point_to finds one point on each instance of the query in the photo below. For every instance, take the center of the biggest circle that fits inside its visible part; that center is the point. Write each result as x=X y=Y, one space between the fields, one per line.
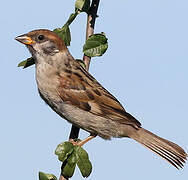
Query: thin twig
x=92 y=14
x=90 y=27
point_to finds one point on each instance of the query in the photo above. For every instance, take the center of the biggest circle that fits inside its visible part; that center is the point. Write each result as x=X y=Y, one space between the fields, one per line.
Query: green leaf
x=64 y=33
x=81 y=62
x=44 y=176
x=96 y=45
x=83 y=161
x=64 y=150
x=82 y=5
x=26 y=63
x=69 y=165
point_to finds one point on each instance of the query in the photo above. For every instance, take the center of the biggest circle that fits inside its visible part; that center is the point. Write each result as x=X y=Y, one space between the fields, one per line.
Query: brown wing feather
x=80 y=89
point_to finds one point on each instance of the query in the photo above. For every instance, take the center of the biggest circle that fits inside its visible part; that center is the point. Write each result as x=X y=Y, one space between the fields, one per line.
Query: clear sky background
x=145 y=67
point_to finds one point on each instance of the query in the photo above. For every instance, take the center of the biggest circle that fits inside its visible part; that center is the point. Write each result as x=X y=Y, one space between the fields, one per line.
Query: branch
x=90 y=27
x=92 y=15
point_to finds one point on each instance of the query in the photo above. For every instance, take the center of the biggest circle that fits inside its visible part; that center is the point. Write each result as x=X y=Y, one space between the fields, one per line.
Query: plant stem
x=90 y=27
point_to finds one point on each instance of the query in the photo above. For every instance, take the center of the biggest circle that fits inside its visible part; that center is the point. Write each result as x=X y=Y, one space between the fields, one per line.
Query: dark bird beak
x=25 y=39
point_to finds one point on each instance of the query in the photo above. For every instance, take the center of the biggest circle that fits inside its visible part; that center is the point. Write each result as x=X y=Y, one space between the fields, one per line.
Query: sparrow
x=75 y=95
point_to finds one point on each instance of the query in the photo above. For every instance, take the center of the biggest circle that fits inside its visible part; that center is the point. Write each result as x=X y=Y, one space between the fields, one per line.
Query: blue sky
x=145 y=67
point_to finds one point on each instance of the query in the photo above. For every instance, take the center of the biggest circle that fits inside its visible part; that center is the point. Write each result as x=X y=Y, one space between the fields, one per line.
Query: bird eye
x=41 y=37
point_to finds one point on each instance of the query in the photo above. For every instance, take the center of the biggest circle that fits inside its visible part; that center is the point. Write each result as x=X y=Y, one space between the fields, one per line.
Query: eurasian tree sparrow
x=76 y=96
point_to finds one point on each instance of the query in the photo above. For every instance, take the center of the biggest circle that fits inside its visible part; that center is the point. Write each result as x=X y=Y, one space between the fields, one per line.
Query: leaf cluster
x=71 y=156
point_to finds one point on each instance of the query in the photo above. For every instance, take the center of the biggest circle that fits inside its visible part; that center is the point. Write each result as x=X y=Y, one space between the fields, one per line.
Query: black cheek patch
x=49 y=47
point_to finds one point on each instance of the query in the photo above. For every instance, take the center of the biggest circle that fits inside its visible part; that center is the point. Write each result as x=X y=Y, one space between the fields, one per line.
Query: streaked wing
x=80 y=89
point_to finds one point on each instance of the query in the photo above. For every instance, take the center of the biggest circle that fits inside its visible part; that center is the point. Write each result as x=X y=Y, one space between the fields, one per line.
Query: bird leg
x=81 y=143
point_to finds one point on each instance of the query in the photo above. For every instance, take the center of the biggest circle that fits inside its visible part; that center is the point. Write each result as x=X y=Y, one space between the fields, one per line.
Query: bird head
x=42 y=42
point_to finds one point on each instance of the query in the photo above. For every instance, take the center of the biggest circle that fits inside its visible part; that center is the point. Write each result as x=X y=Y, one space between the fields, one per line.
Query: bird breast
x=47 y=81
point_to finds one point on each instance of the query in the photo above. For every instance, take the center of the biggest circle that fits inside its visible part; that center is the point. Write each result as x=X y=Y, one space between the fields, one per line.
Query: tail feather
x=169 y=151
x=171 y=158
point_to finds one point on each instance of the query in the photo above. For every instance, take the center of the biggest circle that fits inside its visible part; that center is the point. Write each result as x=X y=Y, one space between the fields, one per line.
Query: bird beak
x=25 y=39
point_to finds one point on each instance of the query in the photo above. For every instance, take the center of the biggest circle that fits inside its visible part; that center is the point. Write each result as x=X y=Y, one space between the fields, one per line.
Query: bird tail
x=169 y=151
